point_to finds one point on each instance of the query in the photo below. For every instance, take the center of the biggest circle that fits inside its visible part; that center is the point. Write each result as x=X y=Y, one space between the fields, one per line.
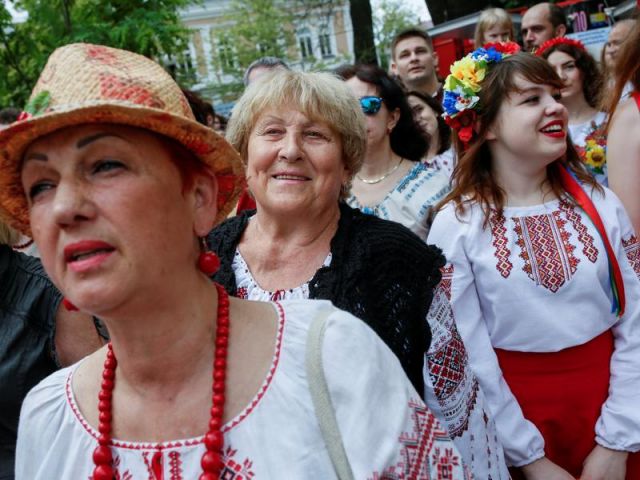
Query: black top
x=380 y=272
x=28 y=304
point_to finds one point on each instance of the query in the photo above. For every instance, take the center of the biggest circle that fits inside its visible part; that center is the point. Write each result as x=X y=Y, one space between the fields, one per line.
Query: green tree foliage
x=392 y=16
x=149 y=27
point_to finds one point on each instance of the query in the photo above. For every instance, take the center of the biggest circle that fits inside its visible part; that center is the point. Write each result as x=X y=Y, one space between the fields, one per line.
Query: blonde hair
x=320 y=96
x=489 y=18
x=8 y=236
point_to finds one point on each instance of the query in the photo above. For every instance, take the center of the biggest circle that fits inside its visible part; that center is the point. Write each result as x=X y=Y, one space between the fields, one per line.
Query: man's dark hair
x=264 y=62
x=9 y=115
x=408 y=33
x=556 y=15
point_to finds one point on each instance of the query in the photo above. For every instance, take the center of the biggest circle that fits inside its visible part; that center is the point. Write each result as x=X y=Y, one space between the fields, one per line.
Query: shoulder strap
x=322 y=400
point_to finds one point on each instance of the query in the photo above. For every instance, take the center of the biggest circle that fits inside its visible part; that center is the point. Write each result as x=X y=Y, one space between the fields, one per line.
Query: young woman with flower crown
x=581 y=94
x=538 y=254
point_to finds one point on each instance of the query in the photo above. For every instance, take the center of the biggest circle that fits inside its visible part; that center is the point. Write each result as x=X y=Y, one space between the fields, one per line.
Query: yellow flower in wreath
x=467 y=72
x=595 y=155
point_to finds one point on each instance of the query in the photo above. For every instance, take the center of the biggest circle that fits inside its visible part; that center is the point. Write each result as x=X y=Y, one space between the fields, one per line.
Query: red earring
x=208 y=262
x=69 y=306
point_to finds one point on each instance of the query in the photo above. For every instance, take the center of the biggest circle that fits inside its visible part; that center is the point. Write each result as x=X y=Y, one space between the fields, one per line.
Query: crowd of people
x=365 y=274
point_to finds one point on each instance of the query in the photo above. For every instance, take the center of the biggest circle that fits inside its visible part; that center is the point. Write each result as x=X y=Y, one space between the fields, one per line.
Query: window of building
x=324 y=40
x=305 y=42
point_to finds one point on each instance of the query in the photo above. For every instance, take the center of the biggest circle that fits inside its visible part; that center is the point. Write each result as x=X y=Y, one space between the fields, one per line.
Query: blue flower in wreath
x=449 y=102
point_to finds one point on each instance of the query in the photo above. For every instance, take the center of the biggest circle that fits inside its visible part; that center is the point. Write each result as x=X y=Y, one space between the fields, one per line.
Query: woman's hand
x=605 y=464
x=545 y=469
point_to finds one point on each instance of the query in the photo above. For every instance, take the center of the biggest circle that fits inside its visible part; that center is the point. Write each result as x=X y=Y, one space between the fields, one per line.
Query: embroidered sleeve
x=618 y=427
x=394 y=434
x=521 y=440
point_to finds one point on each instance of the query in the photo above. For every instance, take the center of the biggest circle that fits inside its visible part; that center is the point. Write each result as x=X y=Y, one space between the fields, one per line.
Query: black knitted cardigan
x=380 y=272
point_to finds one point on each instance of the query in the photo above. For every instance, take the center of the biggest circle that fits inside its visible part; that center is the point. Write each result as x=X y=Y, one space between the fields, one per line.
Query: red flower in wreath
x=506 y=48
x=463 y=124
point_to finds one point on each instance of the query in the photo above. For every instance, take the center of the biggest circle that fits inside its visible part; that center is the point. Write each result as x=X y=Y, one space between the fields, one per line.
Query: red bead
x=104 y=396
x=223 y=332
x=104 y=428
x=107 y=384
x=208 y=263
x=219 y=375
x=212 y=462
x=219 y=363
x=110 y=363
x=222 y=341
x=214 y=440
x=218 y=388
x=104 y=417
x=104 y=405
x=69 y=306
x=108 y=373
x=221 y=353
x=209 y=476
x=102 y=455
x=215 y=424
x=218 y=399
x=216 y=412
x=103 y=472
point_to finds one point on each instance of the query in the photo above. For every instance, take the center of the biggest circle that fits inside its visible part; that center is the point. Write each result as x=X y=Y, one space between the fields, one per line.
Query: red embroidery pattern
x=175 y=465
x=445 y=461
x=154 y=465
x=236 y=470
x=502 y=252
x=242 y=293
x=415 y=461
x=116 y=88
x=447 y=277
x=588 y=247
x=544 y=246
x=632 y=249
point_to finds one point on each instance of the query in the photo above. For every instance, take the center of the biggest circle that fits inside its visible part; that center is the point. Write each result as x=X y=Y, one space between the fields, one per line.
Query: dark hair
x=9 y=115
x=473 y=179
x=200 y=108
x=627 y=66
x=444 y=131
x=264 y=62
x=592 y=80
x=556 y=15
x=408 y=33
x=406 y=138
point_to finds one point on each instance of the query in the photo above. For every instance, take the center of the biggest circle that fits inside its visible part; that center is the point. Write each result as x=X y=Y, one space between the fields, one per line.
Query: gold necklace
x=378 y=180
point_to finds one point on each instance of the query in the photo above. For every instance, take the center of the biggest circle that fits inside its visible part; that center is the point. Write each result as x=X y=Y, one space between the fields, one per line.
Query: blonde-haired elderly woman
x=118 y=184
x=302 y=137
x=37 y=336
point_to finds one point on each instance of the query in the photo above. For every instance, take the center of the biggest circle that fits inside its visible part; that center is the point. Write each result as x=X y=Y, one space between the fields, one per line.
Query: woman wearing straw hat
x=117 y=184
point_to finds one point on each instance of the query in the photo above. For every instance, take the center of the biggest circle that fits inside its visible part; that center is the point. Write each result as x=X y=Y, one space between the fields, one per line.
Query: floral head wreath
x=463 y=84
x=559 y=41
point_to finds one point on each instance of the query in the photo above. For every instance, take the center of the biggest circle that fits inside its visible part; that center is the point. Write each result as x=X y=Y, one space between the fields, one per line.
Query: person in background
x=494 y=25
x=202 y=110
x=619 y=33
x=7 y=116
x=414 y=62
x=392 y=182
x=302 y=136
x=120 y=191
x=428 y=114
x=260 y=67
x=542 y=22
x=543 y=275
x=581 y=94
x=623 y=147
x=37 y=336
x=220 y=123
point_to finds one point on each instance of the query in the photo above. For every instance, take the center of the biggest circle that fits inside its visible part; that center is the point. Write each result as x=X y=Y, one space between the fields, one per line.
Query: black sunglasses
x=370 y=104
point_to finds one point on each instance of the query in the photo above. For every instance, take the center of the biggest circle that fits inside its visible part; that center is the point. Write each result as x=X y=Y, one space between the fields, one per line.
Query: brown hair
x=409 y=33
x=473 y=178
x=591 y=76
x=627 y=67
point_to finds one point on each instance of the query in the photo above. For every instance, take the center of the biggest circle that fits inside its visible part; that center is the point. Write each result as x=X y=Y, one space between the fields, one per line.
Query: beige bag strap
x=321 y=399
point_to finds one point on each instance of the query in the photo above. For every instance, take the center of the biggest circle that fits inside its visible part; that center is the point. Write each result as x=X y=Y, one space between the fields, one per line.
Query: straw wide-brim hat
x=84 y=84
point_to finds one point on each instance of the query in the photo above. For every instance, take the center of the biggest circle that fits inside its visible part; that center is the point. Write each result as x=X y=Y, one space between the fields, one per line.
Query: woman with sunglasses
x=392 y=182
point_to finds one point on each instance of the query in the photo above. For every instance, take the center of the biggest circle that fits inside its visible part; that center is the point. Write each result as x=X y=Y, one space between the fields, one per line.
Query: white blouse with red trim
x=537 y=280
x=387 y=431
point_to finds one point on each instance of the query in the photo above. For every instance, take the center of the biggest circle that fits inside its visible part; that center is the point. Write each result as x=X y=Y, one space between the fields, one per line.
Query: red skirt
x=562 y=393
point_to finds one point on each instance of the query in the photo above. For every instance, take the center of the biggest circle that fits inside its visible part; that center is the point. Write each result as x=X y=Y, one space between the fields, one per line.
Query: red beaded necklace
x=212 y=460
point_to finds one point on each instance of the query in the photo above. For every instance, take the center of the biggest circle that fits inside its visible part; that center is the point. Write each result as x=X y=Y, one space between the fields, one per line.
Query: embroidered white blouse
x=387 y=431
x=412 y=199
x=451 y=392
x=537 y=280
x=444 y=162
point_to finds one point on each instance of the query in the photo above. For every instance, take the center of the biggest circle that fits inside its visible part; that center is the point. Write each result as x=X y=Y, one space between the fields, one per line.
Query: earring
x=69 y=306
x=208 y=262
